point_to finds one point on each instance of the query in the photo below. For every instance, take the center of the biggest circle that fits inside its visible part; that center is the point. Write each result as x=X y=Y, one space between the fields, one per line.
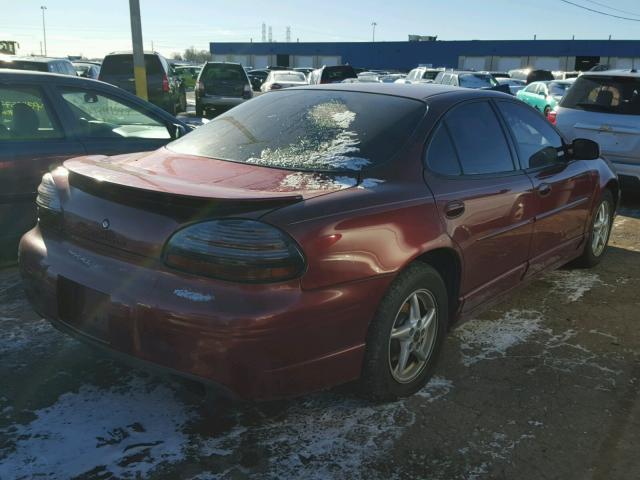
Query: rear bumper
x=259 y=342
x=219 y=101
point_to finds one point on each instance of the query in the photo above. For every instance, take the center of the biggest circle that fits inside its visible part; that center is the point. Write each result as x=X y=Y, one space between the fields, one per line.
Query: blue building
x=474 y=54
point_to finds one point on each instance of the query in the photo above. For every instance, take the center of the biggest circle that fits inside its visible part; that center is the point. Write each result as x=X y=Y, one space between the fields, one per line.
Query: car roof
x=421 y=91
x=632 y=73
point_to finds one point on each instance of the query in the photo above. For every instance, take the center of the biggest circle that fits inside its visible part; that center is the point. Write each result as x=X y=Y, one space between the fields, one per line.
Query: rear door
x=110 y=125
x=563 y=188
x=32 y=142
x=485 y=201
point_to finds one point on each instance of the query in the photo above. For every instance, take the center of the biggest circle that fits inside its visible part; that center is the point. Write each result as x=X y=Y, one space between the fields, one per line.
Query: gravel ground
x=545 y=386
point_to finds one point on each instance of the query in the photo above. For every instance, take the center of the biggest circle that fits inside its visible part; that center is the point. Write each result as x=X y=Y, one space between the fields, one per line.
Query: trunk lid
x=136 y=202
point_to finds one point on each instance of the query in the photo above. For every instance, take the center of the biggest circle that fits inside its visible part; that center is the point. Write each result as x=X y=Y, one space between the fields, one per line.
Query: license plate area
x=84 y=308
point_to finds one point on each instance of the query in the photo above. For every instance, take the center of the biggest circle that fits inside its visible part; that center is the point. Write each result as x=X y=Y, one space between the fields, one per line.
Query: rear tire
x=412 y=317
x=599 y=232
x=199 y=111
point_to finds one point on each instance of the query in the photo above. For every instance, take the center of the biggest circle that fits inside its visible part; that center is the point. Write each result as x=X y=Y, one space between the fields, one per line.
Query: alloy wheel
x=413 y=336
x=601 y=226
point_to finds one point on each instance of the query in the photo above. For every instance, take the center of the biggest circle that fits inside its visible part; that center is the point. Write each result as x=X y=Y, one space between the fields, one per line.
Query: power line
x=601 y=12
x=613 y=8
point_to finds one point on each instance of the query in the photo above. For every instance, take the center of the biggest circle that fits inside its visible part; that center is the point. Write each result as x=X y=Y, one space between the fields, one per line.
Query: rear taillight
x=235 y=250
x=165 y=83
x=247 y=92
x=200 y=88
x=552 y=116
x=276 y=86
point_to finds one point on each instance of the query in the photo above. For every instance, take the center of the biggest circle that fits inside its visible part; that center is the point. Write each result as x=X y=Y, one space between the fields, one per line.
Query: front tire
x=599 y=232
x=406 y=335
x=546 y=111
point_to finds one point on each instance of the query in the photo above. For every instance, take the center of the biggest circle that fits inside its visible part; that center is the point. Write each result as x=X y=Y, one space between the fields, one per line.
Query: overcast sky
x=93 y=27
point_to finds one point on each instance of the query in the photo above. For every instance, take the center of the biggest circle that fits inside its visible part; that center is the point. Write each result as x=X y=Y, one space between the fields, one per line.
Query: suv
x=164 y=88
x=332 y=74
x=422 y=75
x=221 y=86
x=39 y=64
x=605 y=107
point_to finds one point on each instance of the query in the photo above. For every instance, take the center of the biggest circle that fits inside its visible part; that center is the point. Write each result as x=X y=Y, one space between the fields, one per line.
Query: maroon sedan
x=315 y=236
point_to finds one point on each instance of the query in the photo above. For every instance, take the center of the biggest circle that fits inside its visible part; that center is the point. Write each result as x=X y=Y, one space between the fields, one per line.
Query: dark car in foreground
x=315 y=235
x=46 y=119
x=221 y=86
x=164 y=87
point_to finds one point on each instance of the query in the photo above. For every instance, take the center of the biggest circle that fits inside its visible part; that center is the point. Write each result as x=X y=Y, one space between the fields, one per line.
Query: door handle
x=454 y=209
x=544 y=189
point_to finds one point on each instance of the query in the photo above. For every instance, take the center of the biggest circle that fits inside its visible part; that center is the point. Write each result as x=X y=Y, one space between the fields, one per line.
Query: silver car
x=605 y=107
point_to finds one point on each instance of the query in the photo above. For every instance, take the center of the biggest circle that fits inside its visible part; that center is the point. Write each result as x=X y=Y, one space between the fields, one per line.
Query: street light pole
x=139 y=69
x=373 y=24
x=44 y=30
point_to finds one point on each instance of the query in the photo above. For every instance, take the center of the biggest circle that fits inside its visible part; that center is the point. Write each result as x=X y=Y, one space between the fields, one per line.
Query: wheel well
x=447 y=264
x=615 y=189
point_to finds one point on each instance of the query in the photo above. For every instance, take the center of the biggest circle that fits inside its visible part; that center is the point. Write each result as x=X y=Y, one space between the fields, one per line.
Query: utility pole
x=270 y=34
x=139 y=69
x=374 y=24
x=264 y=32
x=288 y=34
x=44 y=30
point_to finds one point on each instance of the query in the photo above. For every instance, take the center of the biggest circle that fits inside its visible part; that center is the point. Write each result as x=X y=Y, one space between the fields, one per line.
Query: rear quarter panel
x=362 y=232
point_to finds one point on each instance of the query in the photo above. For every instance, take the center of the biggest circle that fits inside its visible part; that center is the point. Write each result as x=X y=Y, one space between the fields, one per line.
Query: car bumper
x=259 y=342
x=220 y=101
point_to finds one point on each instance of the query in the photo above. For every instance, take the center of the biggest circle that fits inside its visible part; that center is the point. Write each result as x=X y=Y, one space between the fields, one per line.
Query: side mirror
x=176 y=131
x=585 y=149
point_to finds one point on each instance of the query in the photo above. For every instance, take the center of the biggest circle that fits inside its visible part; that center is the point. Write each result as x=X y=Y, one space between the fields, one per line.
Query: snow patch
x=370 y=183
x=126 y=431
x=488 y=339
x=573 y=283
x=315 y=181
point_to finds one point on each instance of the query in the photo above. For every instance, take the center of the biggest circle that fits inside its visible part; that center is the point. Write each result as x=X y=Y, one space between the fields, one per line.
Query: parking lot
x=546 y=385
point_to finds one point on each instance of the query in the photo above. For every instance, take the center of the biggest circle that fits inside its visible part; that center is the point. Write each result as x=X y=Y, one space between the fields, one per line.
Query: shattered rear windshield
x=314 y=130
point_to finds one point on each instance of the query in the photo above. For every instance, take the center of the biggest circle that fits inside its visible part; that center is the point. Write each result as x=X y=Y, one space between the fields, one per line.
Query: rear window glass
x=308 y=130
x=558 y=89
x=604 y=94
x=222 y=72
x=20 y=65
x=289 y=77
x=334 y=74
x=123 y=65
x=430 y=75
x=476 y=80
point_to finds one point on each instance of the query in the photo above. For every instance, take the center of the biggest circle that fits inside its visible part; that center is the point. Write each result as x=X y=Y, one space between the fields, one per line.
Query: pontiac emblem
x=105 y=224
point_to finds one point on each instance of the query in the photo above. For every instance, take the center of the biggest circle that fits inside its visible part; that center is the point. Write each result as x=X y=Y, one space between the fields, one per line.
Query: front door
x=486 y=203
x=563 y=188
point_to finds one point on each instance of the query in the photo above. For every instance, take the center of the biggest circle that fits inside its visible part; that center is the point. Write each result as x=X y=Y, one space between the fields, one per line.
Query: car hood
x=166 y=172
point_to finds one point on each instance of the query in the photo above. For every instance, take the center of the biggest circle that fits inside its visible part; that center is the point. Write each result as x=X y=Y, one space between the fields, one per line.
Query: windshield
x=430 y=74
x=289 y=77
x=316 y=130
x=21 y=65
x=476 y=80
x=604 y=93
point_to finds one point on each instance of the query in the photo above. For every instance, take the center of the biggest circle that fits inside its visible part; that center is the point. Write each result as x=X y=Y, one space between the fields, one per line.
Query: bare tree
x=196 y=56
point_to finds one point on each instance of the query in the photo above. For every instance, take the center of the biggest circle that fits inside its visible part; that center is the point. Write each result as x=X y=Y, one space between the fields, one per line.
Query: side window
x=100 y=116
x=454 y=80
x=24 y=116
x=441 y=155
x=537 y=142
x=478 y=139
